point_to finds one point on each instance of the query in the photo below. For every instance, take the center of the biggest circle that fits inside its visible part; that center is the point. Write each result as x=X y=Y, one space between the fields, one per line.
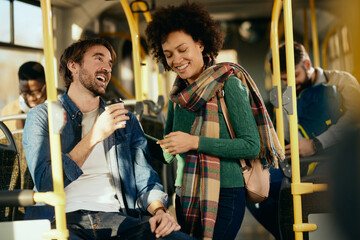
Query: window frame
x=12 y=43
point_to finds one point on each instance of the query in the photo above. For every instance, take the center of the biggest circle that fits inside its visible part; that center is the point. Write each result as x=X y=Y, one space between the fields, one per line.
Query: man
x=307 y=76
x=315 y=89
x=32 y=93
x=109 y=183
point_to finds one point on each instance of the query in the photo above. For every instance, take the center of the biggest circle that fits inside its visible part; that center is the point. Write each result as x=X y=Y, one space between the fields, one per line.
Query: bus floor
x=251 y=229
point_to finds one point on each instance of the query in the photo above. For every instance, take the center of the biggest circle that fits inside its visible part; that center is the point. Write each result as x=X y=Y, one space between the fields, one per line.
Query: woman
x=210 y=201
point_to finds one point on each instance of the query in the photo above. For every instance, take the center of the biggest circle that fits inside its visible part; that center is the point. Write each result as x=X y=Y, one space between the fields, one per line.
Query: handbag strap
x=221 y=94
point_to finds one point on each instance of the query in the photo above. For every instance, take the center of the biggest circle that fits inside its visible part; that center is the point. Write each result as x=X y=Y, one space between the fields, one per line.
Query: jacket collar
x=72 y=109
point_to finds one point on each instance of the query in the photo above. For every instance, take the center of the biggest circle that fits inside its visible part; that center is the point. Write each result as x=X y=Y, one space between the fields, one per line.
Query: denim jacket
x=136 y=183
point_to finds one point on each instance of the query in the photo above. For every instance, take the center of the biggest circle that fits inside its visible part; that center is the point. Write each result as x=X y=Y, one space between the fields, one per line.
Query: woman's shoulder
x=234 y=84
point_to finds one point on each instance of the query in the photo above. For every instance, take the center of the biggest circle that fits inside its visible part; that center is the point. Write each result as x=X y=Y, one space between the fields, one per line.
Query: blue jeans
x=85 y=225
x=231 y=210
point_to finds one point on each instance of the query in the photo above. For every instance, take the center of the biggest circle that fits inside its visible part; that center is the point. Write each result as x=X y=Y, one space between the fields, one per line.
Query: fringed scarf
x=201 y=182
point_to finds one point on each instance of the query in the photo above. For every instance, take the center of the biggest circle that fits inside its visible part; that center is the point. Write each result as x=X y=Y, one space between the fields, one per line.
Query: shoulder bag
x=256 y=177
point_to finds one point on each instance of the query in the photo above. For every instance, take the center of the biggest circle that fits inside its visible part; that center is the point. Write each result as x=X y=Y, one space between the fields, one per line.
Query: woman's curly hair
x=190 y=18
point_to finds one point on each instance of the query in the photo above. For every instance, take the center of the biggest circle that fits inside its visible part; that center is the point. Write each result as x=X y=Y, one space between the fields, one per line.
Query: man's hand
x=306 y=148
x=103 y=127
x=179 y=142
x=109 y=121
x=162 y=224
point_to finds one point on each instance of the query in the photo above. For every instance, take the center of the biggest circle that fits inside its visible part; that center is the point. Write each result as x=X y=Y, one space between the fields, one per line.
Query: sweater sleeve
x=169 y=128
x=247 y=141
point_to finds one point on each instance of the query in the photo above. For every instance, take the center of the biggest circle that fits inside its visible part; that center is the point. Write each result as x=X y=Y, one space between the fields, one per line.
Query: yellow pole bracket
x=305 y=188
x=51 y=198
x=304 y=227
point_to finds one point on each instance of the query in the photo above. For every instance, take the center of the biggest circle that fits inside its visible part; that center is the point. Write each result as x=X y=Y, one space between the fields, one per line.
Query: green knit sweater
x=246 y=145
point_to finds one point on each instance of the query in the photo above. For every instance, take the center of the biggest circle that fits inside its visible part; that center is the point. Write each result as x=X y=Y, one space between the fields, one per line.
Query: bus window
x=28 y=30
x=5 y=21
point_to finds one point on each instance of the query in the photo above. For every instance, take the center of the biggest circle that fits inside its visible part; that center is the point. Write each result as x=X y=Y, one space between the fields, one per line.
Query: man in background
x=327 y=106
x=307 y=76
x=32 y=93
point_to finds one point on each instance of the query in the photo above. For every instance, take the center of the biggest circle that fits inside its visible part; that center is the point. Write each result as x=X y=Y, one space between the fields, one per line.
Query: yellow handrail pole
x=135 y=40
x=136 y=16
x=297 y=188
x=325 y=45
x=306 y=30
x=143 y=66
x=290 y=66
x=148 y=19
x=274 y=42
x=314 y=34
x=55 y=146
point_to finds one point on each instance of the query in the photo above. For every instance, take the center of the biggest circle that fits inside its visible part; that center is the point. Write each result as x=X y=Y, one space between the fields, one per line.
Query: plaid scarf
x=201 y=182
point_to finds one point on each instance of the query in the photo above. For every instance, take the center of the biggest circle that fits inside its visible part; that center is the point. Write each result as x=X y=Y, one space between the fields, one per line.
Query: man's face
x=33 y=92
x=302 y=78
x=94 y=73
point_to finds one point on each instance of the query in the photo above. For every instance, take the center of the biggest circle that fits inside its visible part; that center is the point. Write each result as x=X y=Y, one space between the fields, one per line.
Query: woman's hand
x=179 y=142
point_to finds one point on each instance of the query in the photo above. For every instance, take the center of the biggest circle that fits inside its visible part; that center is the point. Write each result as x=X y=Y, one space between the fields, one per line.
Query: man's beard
x=304 y=85
x=89 y=82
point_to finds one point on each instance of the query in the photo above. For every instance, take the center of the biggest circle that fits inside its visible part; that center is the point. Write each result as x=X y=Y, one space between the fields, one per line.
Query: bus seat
x=312 y=204
x=14 y=170
x=29 y=229
x=9 y=168
x=26 y=181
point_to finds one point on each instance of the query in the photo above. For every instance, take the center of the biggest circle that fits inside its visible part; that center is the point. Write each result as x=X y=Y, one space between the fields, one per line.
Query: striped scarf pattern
x=201 y=182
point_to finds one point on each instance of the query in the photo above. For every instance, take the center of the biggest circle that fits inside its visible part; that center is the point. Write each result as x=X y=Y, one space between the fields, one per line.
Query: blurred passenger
x=32 y=93
x=210 y=195
x=111 y=189
x=306 y=76
x=327 y=105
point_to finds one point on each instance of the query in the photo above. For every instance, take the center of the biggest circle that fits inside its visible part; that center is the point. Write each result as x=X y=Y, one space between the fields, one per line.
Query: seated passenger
x=111 y=189
x=307 y=76
x=32 y=93
x=343 y=112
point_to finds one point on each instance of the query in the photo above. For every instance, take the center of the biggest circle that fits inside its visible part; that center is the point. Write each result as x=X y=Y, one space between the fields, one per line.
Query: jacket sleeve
x=247 y=141
x=147 y=180
x=349 y=89
x=37 y=151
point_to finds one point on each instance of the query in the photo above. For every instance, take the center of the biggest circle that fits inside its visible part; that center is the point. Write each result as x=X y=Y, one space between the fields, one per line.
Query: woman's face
x=184 y=55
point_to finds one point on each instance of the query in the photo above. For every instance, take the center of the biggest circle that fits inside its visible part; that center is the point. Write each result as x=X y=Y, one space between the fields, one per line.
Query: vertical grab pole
x=143 y=64
x=274 y=42
x=148 y=19
x=135 y=40
x=306 y=30
x=295 y=163
x=55 y=146
x=314 y=34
